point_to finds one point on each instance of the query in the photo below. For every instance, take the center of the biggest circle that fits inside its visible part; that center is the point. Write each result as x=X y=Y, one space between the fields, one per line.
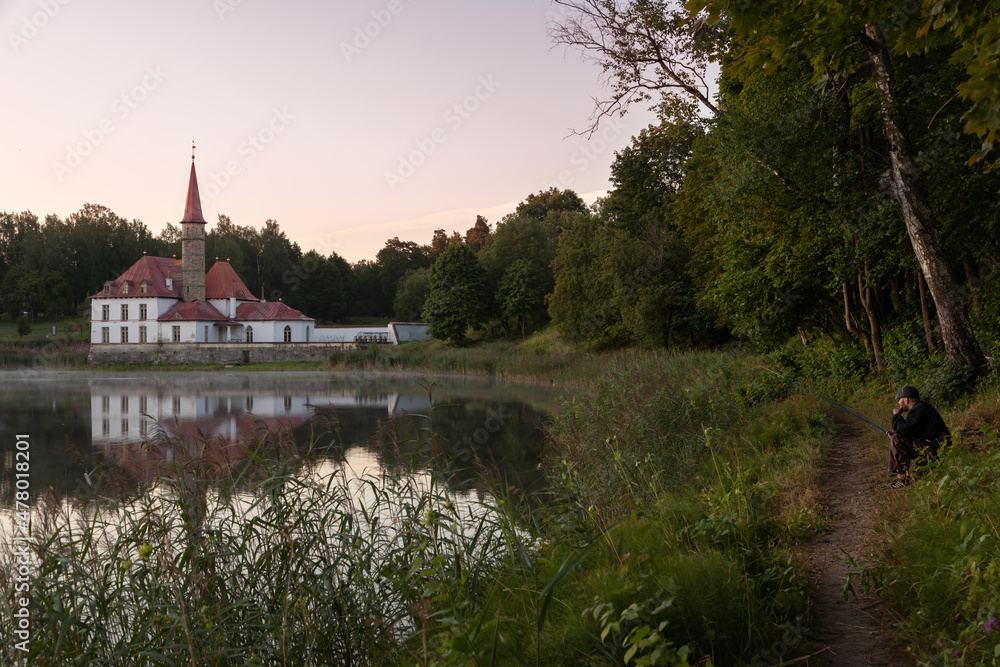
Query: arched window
x=288 y=334
x=249 y=334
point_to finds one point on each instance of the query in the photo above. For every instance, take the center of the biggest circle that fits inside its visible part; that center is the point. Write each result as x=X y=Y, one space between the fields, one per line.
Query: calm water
x=132 y=423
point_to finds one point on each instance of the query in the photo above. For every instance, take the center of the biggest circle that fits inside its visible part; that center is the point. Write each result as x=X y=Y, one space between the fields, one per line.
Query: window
x=106 y=427
x=105 y=404
x=143 y=287
x=249 y=334
x=124 y=403
x=142 y=334
x=142 y=404
x=177 y=333
x=124 y=288
x=105 y=312
x=288 y=334
x=142 y=427
x=206 y=334
x=107 y=288
x=177 y=405
x=124 y=334
x=124 y=427
x=288 y=403
x=105 y=335
x=124 y=311
x=249 y=403
x=142 y=311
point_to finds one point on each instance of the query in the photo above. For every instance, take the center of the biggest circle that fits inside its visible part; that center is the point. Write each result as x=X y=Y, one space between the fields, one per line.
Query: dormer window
x=242 y=295
x=107 y=288
x=177 y=316
x=124 y=288
x=143 y=287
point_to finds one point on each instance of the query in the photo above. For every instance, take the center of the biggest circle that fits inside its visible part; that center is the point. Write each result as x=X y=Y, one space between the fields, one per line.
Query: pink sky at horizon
x=446 y=111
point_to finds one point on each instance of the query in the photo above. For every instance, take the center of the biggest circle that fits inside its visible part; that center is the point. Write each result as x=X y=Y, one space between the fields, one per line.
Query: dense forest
x=838 y=188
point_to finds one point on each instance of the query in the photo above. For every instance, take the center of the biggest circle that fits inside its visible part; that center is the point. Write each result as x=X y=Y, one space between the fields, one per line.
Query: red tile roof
x=198 y=311
x=270 y=310
x=221 y=282
x=152 y=270
x=192 y=208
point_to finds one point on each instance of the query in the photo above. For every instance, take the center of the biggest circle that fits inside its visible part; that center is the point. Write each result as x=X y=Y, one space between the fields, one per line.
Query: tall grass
x=540 y=358
x=668 y=535
x=308 y=566
x=47 y=355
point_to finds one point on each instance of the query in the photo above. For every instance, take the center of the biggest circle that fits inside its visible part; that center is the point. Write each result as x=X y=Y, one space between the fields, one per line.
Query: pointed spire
x=192 y=209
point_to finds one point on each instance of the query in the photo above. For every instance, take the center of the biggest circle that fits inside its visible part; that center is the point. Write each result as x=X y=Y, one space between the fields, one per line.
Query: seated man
x=918 y=433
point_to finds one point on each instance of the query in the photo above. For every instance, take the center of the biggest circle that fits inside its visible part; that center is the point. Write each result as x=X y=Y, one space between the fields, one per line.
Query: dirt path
x=859 y=631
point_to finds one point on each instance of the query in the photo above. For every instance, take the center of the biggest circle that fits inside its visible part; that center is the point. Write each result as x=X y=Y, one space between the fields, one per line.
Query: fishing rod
x=825 y=399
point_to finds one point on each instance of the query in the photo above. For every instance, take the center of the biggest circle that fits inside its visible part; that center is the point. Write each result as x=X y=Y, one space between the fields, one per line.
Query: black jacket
x=923 y=425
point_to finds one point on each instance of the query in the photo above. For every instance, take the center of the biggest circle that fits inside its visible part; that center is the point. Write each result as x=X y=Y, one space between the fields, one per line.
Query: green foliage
x=23 y=326
x=520 y=293
x=458 y=298
x=940 y=564
x=414 y=287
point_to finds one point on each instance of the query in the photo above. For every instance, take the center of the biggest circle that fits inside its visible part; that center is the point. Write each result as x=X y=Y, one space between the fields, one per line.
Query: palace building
x=161 y=300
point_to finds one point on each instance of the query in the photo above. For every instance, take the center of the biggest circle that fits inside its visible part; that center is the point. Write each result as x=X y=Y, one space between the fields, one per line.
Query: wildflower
x=990 y=625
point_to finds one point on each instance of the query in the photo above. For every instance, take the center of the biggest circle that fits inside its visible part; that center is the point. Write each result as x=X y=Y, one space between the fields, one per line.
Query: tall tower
x=193 y=242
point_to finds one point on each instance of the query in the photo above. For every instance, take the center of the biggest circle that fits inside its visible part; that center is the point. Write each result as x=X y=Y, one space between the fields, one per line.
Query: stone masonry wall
x=193 y=260
x=212 y=353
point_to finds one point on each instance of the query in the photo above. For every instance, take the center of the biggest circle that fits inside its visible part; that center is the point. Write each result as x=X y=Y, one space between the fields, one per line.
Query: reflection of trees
x=468 y=445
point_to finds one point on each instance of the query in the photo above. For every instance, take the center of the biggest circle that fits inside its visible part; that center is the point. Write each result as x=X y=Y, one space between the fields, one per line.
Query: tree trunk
x=971 y=276
x=956 y=332
x=925 y=312
x=849 y=320
x=867 y=295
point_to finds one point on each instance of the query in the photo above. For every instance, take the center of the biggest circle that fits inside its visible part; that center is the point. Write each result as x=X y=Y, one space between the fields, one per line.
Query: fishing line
x=825 y=399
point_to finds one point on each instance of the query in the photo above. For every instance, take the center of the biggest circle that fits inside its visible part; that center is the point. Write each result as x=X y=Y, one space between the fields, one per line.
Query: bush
x=23 y=326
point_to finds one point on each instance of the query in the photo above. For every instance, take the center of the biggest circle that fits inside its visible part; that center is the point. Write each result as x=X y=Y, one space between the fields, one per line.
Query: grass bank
x=542 y=358
x=681 y=490
x=935 y=551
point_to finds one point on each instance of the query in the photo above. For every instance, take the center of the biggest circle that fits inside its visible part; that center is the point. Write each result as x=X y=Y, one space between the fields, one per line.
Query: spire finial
x=192 y=151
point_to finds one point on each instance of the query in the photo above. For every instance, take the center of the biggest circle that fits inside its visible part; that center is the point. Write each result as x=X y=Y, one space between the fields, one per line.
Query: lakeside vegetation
x=835 y=210
x=671 y=530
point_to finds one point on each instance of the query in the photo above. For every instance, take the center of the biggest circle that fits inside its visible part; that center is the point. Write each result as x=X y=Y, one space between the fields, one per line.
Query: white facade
x=108 y=318
x=273 y=331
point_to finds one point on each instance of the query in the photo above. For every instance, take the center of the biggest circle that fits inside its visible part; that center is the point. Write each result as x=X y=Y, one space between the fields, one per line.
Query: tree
x=23 y=326
x=458 y=298
x=394 y=260
x=318 y=286
x=520 y=293
x=646 y=49
x=477 y=236
x=411 y=295
x=771 y=34
x=438 y=243
x=539 y=205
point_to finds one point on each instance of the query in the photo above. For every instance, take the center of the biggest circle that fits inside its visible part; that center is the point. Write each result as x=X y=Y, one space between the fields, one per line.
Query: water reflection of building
x=125 y=416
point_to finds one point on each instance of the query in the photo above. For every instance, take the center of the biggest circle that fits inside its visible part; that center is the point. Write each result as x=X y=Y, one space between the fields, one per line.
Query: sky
x=348 y=123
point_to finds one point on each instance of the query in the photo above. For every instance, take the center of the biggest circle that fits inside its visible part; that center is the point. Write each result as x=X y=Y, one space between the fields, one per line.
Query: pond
x=133 y=423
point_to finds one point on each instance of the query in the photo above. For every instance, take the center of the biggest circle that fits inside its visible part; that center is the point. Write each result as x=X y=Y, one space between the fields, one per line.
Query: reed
x=284 y=558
